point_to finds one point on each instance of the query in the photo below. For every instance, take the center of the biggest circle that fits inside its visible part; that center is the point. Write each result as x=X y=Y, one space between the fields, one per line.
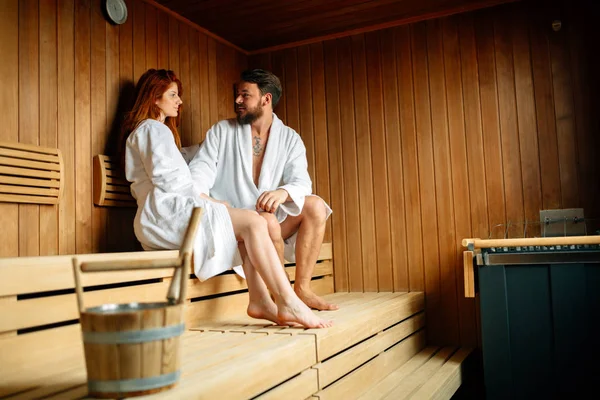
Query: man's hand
x=269 y=201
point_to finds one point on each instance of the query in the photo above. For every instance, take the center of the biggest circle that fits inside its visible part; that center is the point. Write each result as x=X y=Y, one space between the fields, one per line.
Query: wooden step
x=432 y=373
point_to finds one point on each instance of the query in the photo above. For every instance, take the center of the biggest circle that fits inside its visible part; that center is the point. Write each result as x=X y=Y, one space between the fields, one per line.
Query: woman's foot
x=296 y=312
x=263 y=310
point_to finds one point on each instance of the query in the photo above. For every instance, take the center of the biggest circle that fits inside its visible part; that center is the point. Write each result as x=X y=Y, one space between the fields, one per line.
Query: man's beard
x=250 y=116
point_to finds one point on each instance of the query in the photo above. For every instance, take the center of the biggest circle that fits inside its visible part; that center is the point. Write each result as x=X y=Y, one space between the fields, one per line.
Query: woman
x=166 y=193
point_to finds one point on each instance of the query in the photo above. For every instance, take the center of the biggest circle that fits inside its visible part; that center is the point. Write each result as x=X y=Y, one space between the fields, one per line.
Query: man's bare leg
x=250 y=228
x=310 y=225
x=260 y=306
x=274 y=233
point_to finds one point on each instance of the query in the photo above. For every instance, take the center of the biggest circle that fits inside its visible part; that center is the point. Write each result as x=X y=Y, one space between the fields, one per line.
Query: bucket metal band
x=133 y=385
x=141 y=336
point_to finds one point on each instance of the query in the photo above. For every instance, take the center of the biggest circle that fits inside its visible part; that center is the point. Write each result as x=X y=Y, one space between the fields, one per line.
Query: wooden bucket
x=133 y=349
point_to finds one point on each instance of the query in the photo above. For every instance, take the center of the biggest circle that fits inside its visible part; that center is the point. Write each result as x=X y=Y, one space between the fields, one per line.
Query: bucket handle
x=182 y=264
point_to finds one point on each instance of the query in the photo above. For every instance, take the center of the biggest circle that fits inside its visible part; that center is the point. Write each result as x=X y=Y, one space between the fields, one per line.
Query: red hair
x=151 y=87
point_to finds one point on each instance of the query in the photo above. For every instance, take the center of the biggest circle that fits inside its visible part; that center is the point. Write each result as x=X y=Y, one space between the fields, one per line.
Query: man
x=256 y=162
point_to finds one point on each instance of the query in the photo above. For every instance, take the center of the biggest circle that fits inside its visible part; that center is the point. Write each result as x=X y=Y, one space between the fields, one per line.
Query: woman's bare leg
x=260 y=306
x=250 y=228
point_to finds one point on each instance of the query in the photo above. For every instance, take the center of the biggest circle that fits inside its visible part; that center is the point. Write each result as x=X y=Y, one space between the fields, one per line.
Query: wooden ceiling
x=260 y=24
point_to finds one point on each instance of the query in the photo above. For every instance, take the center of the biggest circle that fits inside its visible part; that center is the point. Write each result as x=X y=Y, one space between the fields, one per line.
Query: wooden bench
x=30 y=174
x=40 y=338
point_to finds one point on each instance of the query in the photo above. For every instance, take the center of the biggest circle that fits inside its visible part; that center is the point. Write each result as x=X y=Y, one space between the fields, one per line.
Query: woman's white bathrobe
x=223 y=165
x=166 y=194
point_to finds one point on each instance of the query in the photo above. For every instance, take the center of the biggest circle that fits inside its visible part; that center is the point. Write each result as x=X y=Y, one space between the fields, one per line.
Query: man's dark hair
x=266 y=81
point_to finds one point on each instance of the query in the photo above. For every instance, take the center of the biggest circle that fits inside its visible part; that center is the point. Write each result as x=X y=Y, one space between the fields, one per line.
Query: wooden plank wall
x=67 y=76
x=421 y=135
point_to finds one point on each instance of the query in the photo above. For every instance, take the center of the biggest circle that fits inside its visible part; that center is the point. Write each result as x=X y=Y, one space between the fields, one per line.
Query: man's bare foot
x=314 y=301
x=295 y=311
x=263 y=310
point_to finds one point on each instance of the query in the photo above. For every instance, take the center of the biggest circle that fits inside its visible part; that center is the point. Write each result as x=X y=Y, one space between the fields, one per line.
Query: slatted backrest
x=30 y=174
x=111 y=189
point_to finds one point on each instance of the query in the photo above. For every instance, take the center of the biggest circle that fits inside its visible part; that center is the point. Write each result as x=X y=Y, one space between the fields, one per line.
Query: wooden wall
x=421 y=135
x=67 y=76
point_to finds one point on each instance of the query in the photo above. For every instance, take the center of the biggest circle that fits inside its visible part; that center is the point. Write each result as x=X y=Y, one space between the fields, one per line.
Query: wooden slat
x=409 y=385
x=58 y=272
x=118 y=189
x=16 y=162
x=25 y=147
x=138 y=17
x=356 y=383
x=66 y=125
x=118 y=196
x=163 y=40
x=206 y=121
x=395 y=174
x=9 y=102
x=475 y=160
x=151 y=37
x=196 y=106
x=368 y=235
x=463 y=317
x=306 y=111
x=29 y=116
x=117 y=181
x=292 y=355
x=14 y=198
x=212 y=79
x=446 y=381
x=426 y=162
x=28 y=190
x=562 y=85
x=116 y=203
x=48 y=112
x=30 y=358
x=381 y=201
x=334 y=136
x=183 y=72
x=446 y=319
x=490 y=120
x=321 y=137
x=383 y=387
x=59 y=384
x=389 y=312
x=350 y=167
x=410 y=159
x=341 y=364
x=298 y=388
x=27 y=155
x=507 y=107
x=83 y=151
x=544 y=112
x=526 y=118
x=26 y=313
x=29 y=172
x=98 y=115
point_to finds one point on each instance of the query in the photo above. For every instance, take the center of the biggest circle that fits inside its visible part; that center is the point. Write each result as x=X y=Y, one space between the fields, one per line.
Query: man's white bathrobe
x=224 y=164
x=166 y=194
